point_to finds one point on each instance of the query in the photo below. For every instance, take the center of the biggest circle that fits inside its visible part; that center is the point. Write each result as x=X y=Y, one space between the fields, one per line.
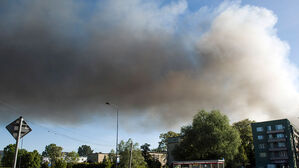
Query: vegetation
x=163 y=143
x=25 y=159
x=72 y=157
x=124 y=152
x=209 y=137
x=59 y=163
x=246 y=150
x=31 y=160
x=84 y=150
x=151 y=162
x=53 y=152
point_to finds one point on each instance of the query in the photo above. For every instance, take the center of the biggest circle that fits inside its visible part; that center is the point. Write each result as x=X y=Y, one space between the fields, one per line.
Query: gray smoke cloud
x=61 y=61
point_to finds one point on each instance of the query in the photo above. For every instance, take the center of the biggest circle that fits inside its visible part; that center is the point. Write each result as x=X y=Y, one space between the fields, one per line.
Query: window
x=262 y=146
x=280 y=135
x=271 y=145
x=283 y=153
x=263 y=154
x=272 y=154
x=271 y=166
x=281 y=144
x=270 y=136
x=279 y=127
x=259 y=129
x=260 y=137
x=269 y=128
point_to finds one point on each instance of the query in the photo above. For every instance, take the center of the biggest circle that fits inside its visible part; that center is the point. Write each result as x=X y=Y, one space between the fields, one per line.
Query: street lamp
x=116 y=146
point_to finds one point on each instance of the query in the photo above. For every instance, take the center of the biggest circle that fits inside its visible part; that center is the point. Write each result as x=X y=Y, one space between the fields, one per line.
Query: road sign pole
x=17 y=142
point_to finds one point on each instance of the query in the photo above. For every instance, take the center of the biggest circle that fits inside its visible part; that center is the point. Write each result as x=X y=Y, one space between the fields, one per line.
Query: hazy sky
x=159 y=61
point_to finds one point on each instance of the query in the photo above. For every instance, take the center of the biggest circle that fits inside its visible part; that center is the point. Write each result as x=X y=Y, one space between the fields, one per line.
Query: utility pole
x=130 y=162
x=116 y=146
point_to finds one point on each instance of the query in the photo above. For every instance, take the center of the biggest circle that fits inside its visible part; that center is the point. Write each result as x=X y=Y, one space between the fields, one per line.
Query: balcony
x=275 y=131
x=277 y=140
x=279 y=161
x=279 y=158
x=278 y=149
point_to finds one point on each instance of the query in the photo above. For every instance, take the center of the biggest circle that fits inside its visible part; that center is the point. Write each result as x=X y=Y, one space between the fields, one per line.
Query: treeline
x=209 y=136
x=58 y=159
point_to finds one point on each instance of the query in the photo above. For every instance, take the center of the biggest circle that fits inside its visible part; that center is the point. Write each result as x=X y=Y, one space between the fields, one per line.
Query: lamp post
x=116 y=146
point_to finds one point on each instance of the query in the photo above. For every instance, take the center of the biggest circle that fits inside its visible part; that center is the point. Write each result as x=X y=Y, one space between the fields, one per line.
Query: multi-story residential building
x=275 y=144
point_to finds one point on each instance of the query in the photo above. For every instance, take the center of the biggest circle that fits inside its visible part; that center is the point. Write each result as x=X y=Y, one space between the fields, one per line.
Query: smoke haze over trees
x=61 y=60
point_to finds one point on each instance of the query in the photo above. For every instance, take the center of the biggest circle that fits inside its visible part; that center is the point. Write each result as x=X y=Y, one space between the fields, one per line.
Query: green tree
x=246 y=150
x=163 y=140
x=112 y=157
x=124 y=152
x=9 y=155
x=151 y=162
x=209 y=137
x=45 y=165
x=53 y=152
x=31 y=160
x=72 y=157
x=107 y=162
x=60 y=163
x=84 y=150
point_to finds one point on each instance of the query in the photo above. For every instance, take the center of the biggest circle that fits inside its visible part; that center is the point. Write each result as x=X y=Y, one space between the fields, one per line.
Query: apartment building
x=275 y=144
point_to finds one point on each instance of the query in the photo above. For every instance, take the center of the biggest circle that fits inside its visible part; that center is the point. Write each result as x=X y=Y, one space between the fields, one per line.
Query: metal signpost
x=18 y=129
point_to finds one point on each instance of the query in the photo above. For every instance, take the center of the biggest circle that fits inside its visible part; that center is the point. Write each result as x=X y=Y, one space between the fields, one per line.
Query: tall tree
x=84 y=150
x=151 y=162
x=72 y=157
x=209 y=137
x=163 y=140
x=9 y=155
x=31 y=160
x=246 y=150
x=124 y=152
x=53 y=152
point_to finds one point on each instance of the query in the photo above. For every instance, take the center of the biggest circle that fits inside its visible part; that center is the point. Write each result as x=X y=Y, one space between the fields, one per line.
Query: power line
x=16 y=111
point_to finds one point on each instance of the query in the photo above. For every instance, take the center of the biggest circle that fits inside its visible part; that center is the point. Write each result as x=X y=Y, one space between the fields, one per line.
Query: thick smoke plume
x=62 y=60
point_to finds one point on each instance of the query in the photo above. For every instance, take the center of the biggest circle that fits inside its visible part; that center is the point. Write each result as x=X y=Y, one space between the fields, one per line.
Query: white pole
x=17 y=143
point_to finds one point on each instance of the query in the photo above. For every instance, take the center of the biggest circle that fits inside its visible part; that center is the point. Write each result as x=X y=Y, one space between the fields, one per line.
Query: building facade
x=97 y=157
x=171 y=144
x=275 y=144
x=161 y=157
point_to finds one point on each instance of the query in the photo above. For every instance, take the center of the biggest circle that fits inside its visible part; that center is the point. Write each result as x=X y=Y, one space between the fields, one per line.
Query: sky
x=159 y=62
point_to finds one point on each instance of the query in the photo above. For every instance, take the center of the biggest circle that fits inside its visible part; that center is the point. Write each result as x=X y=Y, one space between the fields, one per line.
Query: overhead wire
x=49 y=130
